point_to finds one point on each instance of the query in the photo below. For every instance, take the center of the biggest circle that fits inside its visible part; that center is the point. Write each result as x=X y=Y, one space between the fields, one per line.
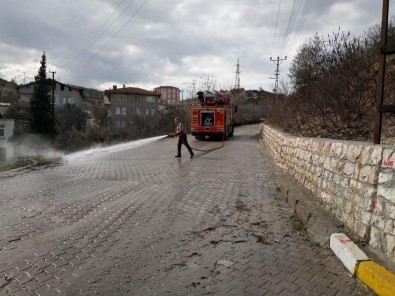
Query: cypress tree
x=40 y=104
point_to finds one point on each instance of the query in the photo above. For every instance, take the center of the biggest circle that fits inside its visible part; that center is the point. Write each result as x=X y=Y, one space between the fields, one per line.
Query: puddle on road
x=100 y=151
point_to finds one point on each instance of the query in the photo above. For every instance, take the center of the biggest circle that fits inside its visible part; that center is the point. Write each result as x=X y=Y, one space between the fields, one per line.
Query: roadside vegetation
x=334 y=85
x=18 y=163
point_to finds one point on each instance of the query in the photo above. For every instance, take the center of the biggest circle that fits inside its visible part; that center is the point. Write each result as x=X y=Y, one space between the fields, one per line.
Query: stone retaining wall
x=354 y=181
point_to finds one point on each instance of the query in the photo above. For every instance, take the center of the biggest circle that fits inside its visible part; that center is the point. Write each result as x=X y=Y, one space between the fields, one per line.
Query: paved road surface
x=141 y=222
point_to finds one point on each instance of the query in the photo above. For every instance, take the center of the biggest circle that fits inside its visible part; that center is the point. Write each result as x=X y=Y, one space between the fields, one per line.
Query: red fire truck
x=213 y=116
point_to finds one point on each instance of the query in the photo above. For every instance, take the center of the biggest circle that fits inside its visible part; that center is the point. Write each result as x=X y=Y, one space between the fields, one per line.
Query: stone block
x=361 y=231
x=340 y=166
x=390 y=245
x=378 y=204
x=389 y=227
x=366 y=173
x=349 y=169
x=292 y=200
x=337 y=150
x=375 y=157
x=314 y=145
x=391 y=211
x=378 y=222
x=386 y=178
x=355 y=185
x=302 y=211
x=308 y=156
x=386 y=192
x=365 y=153
x=388 y=160
x=369 y=192
x=366 y=217
x=375 y=237
x=353 y=152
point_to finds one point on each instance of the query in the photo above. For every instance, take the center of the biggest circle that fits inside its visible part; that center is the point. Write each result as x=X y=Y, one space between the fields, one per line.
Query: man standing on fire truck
x=182 y=137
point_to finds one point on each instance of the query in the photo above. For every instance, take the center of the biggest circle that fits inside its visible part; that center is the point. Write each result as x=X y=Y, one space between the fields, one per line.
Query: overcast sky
x=147 y=43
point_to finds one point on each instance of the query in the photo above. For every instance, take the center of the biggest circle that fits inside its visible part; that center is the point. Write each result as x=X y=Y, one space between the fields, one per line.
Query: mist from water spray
x=31 y=146
x=100 y=151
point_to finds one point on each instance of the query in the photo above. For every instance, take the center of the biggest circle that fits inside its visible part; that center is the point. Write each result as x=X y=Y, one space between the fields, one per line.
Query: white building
x=6 y=131
x=63 y=94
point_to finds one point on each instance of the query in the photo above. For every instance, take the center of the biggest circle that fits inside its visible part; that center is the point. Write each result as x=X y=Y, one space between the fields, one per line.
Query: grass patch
x=18 y=163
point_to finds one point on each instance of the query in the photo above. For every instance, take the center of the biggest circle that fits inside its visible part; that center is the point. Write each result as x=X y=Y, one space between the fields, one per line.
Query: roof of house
x=76 y=87
x=132 y=91
x=167 y=86
x=49 y=83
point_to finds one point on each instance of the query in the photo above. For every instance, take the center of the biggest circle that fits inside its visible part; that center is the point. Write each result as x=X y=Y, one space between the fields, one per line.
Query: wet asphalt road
x=141 y=222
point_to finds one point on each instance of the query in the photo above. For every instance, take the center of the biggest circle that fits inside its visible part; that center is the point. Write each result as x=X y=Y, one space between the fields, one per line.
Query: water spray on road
x=100 y=151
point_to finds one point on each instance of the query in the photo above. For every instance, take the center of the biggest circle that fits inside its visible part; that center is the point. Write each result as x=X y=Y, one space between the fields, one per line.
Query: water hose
x=208 y=150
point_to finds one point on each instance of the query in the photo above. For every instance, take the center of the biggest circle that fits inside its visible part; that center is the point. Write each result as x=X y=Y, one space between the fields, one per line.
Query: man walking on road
x=182 y=137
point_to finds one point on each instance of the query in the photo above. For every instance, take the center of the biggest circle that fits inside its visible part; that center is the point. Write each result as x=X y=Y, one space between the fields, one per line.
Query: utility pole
x=53 y=105
x=182 y=104
x=277 y=61
x=237 y=79
x=193 y=85
x=385 y=49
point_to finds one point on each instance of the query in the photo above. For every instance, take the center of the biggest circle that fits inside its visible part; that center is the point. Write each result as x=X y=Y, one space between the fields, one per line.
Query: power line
x=300 y=25
x=116 y=8
x=275 y=30
x=89 y=42
x=112 y=38
x=291 y=17
x=98 y=34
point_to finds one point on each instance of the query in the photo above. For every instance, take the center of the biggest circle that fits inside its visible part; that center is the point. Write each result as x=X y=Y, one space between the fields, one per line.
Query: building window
x=146 y=112
x=2 y=131
x=138 y=111
x=68 y=100
x=120 y=110
x=61 y=87
x=150 y=100
x=120 y=123
x=152 y=111
x=69 y=88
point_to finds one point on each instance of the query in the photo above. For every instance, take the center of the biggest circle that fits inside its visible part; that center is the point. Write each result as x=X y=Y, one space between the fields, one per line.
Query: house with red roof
x=126 y=102
x=170 y=95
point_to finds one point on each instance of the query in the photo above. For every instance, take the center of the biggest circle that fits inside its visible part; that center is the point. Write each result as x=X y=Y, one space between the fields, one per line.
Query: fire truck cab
x=212 y=116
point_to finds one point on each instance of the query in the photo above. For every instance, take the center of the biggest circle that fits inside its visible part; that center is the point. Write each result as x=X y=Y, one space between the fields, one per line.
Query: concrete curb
x=373 y=275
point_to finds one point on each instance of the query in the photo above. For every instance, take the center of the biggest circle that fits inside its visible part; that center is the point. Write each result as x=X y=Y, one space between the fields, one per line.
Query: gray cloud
x=167 y=42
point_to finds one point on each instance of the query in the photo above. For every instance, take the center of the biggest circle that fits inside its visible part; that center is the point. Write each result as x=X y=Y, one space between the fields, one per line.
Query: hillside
x=252 y=105
x=8 y=92
x=91 y=93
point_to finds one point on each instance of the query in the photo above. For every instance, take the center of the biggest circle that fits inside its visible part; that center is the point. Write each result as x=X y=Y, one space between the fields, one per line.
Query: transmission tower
x=237 y=80
x=277 y=61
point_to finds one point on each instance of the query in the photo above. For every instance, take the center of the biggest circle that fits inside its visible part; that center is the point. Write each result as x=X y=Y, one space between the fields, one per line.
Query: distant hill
x=91 y=93
x=8 y=92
